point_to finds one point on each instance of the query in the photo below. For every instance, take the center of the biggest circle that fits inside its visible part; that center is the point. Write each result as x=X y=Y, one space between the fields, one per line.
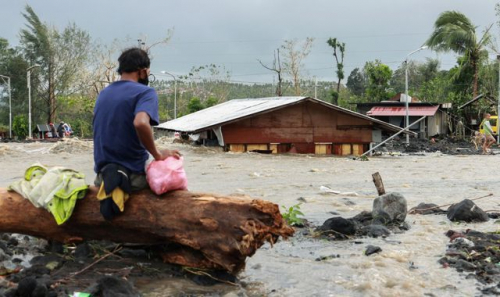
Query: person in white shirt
x=488 y=133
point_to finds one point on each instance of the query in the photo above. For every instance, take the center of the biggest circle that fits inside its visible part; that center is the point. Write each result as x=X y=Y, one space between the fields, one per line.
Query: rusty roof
x=401 y=111
x=238 y=109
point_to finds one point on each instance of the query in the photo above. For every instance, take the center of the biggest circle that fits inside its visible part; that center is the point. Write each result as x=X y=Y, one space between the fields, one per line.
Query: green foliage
x=335 y=44
x=211 y=101
x=81 y=128
x=62 y=56
x=20 y=126
x=195 y=105
x=291 y=215
x=379 y=76
x=454 y=32
x=334 y=95
x=356 y=82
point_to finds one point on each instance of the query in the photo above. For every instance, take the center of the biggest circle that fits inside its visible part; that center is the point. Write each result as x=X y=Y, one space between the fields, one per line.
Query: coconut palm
x=453 y=31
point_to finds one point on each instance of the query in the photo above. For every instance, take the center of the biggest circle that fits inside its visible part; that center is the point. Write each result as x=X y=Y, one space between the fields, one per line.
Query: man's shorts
x=137 y=181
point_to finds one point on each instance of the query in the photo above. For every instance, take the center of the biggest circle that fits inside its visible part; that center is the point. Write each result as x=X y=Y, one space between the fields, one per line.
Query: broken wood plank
x=197 y=230
x=377 y=180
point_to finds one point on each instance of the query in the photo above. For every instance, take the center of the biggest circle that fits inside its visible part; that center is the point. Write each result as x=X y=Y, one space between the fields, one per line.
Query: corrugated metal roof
x=401 y=111
x=237 y=109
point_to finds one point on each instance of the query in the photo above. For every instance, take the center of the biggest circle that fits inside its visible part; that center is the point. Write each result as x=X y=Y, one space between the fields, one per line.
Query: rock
x=461 y=242
x=110 y=286
x=13 y=241
x=375 y=231
x=83 y=251
x=55 y=247
x=464 y=265
x=338 y=225
x=390 y=208
x=44 y=260
x=426 y=209
x=3 y=246
x=372 y=249
x=365 y=218
x=10 y=293
x=40 y=291
x=466 y=211
x=129 y=252
x=3 y=256
x=26 y=287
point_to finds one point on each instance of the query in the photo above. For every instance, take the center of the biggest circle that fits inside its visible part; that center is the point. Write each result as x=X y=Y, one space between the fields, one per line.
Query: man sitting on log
x=123 y=115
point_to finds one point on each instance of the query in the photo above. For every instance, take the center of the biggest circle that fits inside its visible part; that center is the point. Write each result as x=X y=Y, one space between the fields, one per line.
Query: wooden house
x=283 y=124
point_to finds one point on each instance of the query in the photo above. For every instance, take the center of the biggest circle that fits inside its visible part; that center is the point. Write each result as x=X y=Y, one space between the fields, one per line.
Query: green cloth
x=56 y=189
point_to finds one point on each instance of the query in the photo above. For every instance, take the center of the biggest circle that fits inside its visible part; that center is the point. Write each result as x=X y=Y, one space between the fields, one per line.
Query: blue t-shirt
x=115 y=138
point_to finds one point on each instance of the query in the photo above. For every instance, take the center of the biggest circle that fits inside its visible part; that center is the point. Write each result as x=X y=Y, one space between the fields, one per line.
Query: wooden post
x=377 y=180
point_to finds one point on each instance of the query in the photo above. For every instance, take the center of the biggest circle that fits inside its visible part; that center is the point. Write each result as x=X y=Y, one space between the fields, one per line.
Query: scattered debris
x=426 y=209
x=71 y=145
x=476 y=254
x=327 y=190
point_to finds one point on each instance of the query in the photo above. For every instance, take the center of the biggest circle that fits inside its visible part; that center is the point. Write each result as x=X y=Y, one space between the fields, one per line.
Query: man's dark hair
x=133 y=59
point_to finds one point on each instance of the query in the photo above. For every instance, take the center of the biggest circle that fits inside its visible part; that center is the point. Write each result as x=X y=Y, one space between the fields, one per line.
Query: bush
x=20 y=126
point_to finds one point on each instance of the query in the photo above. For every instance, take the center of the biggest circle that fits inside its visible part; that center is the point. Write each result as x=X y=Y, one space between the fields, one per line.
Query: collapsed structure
x=282 y=124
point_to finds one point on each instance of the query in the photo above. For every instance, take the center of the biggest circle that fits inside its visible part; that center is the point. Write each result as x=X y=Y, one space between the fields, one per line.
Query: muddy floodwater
x=408 y=264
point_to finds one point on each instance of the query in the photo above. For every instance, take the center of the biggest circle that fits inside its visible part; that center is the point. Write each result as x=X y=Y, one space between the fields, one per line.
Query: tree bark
x=196 y=230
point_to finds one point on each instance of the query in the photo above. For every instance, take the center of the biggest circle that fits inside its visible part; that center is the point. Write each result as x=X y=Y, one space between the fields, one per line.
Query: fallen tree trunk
x=197 y=230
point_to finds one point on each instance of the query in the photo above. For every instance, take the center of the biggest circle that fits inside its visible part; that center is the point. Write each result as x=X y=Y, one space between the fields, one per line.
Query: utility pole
x=315 y=87
x=28 y=74
x=498 y=107
x=407 y=97
x=175 y=91
x=10 y=104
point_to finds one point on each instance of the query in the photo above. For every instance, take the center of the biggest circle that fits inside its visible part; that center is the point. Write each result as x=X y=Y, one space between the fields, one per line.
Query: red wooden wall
x=302 y=125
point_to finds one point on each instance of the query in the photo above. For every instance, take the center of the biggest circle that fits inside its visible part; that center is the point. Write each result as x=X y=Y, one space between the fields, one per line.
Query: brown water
x=407 y=266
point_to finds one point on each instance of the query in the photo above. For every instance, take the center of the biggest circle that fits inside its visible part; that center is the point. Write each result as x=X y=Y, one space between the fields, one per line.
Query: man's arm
x=145 y=134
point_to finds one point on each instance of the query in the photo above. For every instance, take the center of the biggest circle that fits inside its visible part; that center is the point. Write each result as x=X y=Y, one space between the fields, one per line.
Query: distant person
x=67 y=130
x=53 y=131
x=123 y=115
x=60 y=130
x=488 y=134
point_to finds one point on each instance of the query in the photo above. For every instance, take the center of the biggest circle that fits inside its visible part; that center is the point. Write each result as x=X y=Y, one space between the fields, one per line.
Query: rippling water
x=407 y=265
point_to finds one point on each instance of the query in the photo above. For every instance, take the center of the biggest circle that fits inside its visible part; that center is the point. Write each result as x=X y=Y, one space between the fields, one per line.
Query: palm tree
x=453 y=31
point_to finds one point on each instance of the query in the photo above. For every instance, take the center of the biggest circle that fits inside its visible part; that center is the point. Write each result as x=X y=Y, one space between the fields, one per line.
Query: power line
x=282 y=39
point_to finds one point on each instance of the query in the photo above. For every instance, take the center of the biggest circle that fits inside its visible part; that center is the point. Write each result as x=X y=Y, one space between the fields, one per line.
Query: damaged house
x=393 y=111
x=282 y=124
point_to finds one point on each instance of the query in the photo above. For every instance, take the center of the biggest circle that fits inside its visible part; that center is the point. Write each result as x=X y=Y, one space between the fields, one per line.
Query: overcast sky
x=235 y=33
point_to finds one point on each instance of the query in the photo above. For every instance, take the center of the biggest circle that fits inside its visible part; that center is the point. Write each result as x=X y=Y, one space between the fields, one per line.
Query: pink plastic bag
x=166 y=175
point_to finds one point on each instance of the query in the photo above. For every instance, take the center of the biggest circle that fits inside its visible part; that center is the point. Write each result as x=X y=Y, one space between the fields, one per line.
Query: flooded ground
x=407 y=265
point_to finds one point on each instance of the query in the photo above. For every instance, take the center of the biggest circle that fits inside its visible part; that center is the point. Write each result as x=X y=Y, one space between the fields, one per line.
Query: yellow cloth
x=56 y=189
x=118 y=195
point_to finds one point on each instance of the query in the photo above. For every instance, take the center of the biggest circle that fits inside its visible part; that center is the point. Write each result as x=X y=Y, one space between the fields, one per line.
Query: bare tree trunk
x=198 y=230
x=474 y=90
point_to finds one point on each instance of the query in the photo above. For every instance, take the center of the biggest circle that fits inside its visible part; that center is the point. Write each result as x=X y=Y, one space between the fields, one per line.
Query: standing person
x=60 y=129
x=488 y=133
x=53 y=131
x=123 y=115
